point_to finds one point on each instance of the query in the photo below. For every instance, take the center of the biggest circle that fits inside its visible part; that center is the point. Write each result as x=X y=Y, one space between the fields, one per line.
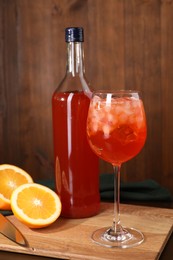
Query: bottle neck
x=75 y=59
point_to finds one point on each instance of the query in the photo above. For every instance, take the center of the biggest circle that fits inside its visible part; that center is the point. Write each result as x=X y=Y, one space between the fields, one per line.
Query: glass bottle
x=76 y=166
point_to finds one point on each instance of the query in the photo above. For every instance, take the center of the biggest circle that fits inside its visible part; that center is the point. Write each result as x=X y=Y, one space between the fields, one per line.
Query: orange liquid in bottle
x=77 y=181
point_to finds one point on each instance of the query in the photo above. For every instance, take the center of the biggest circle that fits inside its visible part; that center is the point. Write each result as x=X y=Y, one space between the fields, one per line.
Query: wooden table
x=52 y=242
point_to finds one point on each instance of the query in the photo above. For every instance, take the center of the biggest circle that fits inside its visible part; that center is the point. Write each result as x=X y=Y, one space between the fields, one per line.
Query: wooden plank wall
x=128 y=44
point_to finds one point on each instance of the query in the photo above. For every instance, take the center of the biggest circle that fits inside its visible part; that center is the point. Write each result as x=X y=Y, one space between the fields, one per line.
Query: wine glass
x=116 y=131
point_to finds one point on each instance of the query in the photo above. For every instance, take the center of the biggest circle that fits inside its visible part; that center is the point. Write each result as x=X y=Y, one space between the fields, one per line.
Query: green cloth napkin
x=6 y=212
x=147 y=190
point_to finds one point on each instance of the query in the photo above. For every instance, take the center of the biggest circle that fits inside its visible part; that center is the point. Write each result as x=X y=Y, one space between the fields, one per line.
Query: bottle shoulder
x=73 y=83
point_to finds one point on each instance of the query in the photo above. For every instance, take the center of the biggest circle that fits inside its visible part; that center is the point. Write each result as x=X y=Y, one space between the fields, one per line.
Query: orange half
x=10 y=178
x=35 y=205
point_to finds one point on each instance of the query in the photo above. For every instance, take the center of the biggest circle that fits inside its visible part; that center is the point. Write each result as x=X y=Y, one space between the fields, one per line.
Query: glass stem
x=117 y=228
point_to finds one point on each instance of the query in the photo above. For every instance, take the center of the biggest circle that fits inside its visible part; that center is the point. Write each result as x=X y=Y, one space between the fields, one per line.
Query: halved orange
x=10 y=178
x=35 y=205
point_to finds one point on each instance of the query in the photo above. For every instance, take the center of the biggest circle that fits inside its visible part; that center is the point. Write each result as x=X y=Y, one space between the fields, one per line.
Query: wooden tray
x=70 y=238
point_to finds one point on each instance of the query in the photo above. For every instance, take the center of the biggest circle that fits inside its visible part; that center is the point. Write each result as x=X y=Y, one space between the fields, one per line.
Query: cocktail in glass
x=116 y=131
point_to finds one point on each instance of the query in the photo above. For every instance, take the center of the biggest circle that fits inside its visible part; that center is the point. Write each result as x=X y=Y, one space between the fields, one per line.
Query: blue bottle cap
x=74 y=34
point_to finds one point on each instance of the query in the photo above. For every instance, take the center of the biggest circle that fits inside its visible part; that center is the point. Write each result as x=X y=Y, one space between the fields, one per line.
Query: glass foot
x=128 y=237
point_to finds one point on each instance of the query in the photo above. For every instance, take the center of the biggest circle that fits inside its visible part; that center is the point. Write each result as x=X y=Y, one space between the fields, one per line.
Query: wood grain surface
x=128 y=44
x=71 y=239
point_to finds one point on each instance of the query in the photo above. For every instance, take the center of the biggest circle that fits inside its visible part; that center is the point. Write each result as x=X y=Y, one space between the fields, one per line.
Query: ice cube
x=106 y=130
x=126 y=134
x=123 y=118
x=110 y=117
x=94 y=126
